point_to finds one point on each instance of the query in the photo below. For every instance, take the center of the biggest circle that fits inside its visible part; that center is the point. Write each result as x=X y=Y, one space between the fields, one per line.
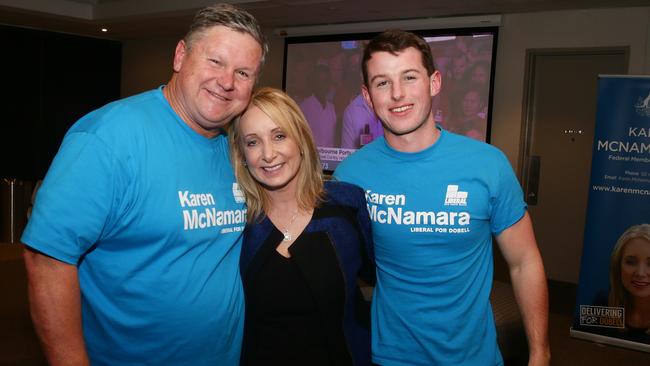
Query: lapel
x=260 y=240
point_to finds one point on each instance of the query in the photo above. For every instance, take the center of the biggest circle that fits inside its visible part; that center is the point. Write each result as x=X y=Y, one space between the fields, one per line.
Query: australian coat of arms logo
x=642 y=106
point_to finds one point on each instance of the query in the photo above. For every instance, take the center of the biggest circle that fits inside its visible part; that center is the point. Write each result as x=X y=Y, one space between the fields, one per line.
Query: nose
x=396 y=91
x=268 y=152
x=226 y=80
x=642 y=270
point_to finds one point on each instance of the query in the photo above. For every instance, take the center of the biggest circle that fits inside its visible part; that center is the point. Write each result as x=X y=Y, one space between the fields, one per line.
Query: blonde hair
x=618 y=296
x=286 y=114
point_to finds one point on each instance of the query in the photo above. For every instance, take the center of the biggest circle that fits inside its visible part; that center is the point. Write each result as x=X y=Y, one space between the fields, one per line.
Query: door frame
x=526 y=138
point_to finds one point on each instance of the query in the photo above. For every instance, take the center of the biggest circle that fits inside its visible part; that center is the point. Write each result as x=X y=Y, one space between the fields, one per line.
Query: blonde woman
x=629 y=278
x=306 y=243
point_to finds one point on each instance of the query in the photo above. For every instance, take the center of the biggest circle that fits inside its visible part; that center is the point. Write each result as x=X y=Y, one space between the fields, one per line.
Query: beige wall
x=564 y=29
x=146 y=64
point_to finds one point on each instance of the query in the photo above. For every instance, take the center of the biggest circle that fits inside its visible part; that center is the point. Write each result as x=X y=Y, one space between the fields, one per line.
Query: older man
x=133 y=244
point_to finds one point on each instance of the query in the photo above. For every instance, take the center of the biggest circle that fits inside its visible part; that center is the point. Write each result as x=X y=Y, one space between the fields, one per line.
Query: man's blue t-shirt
x=433 y=214
x=149 y=212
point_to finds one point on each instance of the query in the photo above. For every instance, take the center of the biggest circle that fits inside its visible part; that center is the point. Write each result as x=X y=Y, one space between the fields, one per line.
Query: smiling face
x=635 y=267
x=400 y=91
x=272 y=157
x=214 y=77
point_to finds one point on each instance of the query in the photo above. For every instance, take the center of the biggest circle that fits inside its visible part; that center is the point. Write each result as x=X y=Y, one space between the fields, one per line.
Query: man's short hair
x=394 y=41
x=228 y=16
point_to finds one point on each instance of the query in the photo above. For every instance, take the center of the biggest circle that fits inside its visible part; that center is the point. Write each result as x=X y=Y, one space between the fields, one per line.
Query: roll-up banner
x=613 y=301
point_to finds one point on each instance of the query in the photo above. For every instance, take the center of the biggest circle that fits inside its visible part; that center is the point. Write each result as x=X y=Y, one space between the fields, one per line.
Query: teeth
x=401 y=109
x=272 y=168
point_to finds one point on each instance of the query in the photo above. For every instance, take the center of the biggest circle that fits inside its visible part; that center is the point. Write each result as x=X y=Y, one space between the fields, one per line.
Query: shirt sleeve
x=506 y=202
x=73 y=206
x=341 y=173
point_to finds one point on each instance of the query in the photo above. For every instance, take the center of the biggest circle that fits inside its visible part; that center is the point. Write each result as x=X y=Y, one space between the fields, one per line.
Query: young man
x=133 y=244
x=435 y=200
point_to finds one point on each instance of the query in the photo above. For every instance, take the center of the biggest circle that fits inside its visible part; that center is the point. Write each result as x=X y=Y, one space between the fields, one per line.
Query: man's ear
x=366 y=96
x=435 y=81
x=179 y=55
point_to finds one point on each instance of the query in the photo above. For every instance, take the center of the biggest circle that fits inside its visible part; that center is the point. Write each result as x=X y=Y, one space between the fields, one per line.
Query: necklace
x=285 y=232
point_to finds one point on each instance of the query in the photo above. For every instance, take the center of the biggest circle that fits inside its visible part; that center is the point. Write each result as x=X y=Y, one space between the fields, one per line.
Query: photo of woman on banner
x=629 y=278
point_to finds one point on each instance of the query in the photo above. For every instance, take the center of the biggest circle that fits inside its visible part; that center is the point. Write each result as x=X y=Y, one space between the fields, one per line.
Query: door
x=560 y=112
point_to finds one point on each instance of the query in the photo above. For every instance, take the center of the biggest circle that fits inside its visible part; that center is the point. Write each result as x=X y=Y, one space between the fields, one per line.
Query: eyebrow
x=215 y=56
x=402 y=73
x=276 y=129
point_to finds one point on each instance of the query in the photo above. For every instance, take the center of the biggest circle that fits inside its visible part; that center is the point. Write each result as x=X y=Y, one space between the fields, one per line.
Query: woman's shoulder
x=343 y=192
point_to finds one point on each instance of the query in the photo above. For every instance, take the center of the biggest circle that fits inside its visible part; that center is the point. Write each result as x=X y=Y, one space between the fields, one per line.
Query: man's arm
x=55 y=306
x=519 y=248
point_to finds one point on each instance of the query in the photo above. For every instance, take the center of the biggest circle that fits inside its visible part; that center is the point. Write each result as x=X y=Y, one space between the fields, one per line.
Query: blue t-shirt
x=433 y=214
x=149 y=211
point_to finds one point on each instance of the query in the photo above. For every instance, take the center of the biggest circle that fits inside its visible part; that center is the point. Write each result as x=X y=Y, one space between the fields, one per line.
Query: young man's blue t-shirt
x=433 y=215
x=149 y=212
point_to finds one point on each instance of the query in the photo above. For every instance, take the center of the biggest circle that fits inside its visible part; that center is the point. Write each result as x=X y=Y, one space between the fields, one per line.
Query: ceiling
x=130 y=19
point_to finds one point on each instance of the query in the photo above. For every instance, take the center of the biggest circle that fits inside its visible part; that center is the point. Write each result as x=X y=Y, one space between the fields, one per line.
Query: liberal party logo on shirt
x=237 y=193
x=454 y=197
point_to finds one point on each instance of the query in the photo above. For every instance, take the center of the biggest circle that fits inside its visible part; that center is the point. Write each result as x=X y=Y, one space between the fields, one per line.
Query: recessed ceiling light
x=104 y=29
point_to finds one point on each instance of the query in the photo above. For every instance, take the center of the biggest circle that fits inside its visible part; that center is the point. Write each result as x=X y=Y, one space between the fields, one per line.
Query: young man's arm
x=519 y=248
x=55 y=306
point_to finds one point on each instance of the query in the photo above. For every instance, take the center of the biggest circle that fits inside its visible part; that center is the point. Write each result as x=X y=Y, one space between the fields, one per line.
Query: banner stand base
x=597 y=338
